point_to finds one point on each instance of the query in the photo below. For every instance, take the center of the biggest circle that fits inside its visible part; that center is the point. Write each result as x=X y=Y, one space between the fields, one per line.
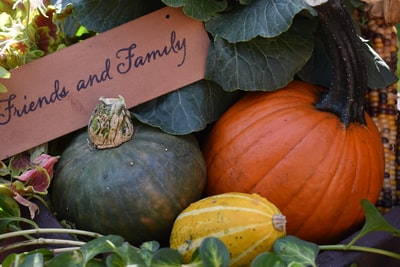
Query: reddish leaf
x=33 y=208
x=47 y=162
x=35 y=181
x=19 y=163
x=46 y=29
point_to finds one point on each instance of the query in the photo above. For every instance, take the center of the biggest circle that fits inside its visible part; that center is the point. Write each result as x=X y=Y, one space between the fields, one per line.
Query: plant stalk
x=361 y=249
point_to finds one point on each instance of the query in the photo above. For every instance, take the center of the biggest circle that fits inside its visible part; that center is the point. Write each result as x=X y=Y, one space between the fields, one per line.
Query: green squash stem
x=110 y=124
x=346 y=95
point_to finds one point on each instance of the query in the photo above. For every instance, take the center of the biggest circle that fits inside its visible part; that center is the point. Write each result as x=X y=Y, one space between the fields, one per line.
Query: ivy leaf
x=125 y=255
x=195 y=260
x=24 y=259
x=147 y=250
x=70 y=258
x=9 y=209
x=214 y=253
x=100 y=245
x=187 y=110
x=267 y=259
x=294 y=250
x=99 y=16
x=374 y=221
x=201 y=9
x=167 y=257
x=261 y=18
x=261 y=63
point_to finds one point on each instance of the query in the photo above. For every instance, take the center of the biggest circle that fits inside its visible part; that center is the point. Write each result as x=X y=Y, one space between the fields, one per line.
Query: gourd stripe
x=195 y=243
x=260 y=201
x=248 y=250
x=219 y=208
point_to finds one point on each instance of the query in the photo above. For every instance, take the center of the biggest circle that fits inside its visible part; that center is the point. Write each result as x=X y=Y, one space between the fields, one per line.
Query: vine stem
x=49 y=230
x=361 y=249
x=42 y=241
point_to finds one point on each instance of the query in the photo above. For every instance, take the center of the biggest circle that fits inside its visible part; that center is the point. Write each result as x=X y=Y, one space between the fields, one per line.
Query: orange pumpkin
x=312 y=152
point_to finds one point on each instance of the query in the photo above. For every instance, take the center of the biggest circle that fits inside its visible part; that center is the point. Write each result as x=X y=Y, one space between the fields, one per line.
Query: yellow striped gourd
x=247 y=224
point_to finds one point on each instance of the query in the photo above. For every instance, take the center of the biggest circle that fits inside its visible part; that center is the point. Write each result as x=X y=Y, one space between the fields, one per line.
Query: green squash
x=135 y=190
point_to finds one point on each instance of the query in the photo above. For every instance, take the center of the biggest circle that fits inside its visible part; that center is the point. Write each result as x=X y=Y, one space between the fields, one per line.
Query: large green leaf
x=262 y=63
x=379 y=73
x=261 y=18
x=9 y=211
x=200 y=9
x=267 y=259
x=294 y=250
x=186 y=110
x=214 y=253
x=99 y=16
x=318 y=69
x=27 y=259
x=167 y=257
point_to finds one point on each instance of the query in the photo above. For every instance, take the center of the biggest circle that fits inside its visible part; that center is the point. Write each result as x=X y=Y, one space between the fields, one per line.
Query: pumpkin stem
x=346 y=95
x=110 y=124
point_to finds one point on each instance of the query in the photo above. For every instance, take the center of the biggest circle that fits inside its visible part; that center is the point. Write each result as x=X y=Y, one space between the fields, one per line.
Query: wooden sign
x=140 y=60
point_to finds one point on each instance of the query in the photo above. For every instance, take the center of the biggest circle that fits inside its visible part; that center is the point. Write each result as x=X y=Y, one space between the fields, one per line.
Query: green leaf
x=214 y=253
x=318 y=68
x=4 y=171
x=195 y=260
x=125 y=255
x=147 y=250
x=4 y=74
x=379 y=73
x=70 y=259
x=167 y=257
x=99 y=16
x=200 y=9
x=187 y=110
x=100 y=245
x=3 y=88
x=262 y=63
x=267 y=259
x=374 y=221
x=261 y=18
x=294 y=250
x=9 y=211
x=24 y=260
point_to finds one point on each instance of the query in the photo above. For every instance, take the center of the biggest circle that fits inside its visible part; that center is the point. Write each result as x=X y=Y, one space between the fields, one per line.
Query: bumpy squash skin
x=135 y=190
x=305 y=161
x=243 y=222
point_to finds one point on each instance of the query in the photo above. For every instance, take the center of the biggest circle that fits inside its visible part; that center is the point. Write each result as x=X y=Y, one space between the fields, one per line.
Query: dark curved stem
x=346 y=95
